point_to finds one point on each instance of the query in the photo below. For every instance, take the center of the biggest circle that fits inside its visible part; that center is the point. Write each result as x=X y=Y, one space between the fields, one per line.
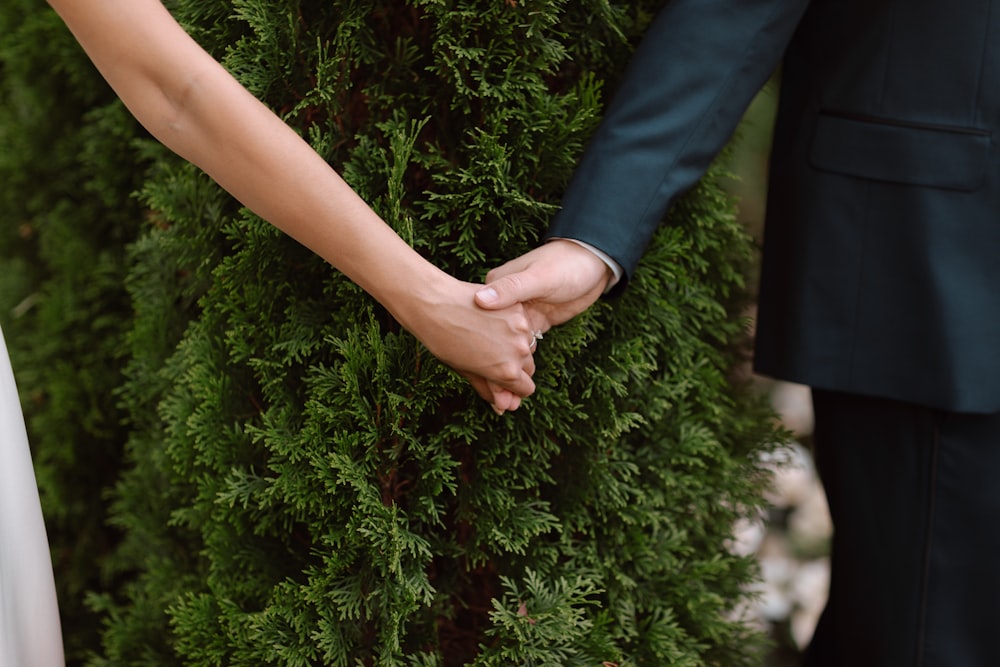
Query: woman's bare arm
x=189 y=102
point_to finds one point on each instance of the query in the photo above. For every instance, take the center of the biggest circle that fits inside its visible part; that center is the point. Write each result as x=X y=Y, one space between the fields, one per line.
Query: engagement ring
x=535 y=337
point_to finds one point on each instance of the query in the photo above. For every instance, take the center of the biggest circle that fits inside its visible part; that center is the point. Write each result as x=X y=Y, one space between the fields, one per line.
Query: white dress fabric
x=30 y=634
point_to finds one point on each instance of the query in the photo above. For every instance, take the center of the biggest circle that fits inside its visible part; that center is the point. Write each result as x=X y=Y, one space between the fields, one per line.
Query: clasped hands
x=488 y=333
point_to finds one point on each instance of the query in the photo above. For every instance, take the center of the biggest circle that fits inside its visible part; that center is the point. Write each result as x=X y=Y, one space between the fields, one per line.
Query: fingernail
x=497 y=410
x=488 y=295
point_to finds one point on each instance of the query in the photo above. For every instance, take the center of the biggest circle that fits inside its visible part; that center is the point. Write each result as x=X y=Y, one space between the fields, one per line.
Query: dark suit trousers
x=914 y=493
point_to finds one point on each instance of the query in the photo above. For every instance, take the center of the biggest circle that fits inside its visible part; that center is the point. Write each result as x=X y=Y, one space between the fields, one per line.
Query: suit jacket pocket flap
x=886 y=150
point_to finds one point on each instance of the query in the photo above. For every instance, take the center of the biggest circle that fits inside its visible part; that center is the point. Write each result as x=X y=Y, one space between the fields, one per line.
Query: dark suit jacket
x=881 y=270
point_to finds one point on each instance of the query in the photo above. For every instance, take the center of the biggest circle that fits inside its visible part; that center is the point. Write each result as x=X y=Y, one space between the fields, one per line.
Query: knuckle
x=510 y=372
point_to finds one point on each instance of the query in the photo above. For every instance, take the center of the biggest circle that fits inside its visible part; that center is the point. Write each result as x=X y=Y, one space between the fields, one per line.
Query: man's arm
x=685 y=90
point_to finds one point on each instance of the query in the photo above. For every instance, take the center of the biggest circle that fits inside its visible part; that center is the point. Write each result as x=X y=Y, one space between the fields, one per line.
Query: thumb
x=507 y=291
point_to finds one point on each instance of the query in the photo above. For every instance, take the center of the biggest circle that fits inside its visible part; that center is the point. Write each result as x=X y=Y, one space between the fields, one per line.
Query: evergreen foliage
x=305 y=484
x=67 y=171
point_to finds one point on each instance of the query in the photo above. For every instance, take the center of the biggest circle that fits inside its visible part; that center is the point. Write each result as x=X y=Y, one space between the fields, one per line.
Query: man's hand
x=555 y=282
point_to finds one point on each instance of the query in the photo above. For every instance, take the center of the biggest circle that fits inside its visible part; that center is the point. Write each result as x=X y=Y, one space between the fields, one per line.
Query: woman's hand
x=491 y=348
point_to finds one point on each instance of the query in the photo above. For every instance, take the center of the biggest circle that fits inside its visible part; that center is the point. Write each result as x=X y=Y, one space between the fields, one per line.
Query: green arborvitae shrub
x=67 y=172
x=306 y=485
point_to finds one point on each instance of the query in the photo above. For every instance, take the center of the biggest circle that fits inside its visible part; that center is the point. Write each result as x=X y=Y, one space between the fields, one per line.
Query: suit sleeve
x=686 y=88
